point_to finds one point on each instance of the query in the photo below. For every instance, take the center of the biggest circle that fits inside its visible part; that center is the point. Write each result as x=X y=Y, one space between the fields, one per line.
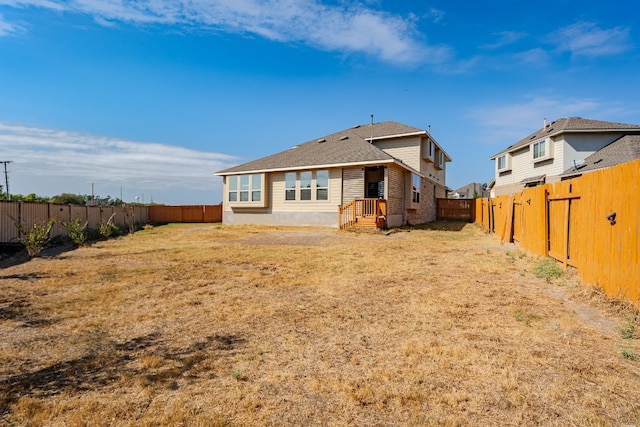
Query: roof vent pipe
x=544 y=123
x=372 y=119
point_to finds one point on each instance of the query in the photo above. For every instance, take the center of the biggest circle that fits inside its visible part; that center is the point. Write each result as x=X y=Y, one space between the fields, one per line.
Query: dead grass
x=201 y=325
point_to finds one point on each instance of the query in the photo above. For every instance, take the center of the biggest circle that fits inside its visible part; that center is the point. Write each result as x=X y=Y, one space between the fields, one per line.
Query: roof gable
x=569 y=125
x=349 y=146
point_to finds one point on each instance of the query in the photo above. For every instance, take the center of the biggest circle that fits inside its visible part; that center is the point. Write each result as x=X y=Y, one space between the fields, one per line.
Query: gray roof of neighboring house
x=349 y=146
x=569 y=125
x=622 y=150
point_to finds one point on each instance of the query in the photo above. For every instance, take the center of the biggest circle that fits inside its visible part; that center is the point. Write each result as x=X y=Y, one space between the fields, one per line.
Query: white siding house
x=547 y=153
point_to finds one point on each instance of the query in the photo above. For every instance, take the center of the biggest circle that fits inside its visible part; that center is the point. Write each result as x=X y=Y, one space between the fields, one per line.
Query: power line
x=6 y=177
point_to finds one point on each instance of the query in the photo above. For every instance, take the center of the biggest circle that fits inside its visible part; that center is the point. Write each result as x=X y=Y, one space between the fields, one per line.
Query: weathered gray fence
x=27 y=214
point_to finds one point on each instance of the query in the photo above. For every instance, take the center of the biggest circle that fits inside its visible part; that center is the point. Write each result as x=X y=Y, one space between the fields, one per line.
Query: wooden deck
x=363 y=214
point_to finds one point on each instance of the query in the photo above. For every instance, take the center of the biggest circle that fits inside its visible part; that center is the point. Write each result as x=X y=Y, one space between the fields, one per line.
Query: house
x=470 y=191
x=546 y=154
x=622 y=150
x=375 y=175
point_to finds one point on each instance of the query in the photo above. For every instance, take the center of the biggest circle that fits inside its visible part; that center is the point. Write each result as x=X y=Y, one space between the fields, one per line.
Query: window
x=233 y=188
x=290 y=186
x=539 y=150
x=503 y=163
x=305 y=185
x=322 y=185
x=432 y=149
x=439 y=159
x=415 y=189
x=256 y=187
x=246 y=190
x=542 y=150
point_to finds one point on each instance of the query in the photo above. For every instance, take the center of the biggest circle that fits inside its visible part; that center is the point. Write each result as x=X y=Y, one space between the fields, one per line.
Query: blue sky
x=149 y=98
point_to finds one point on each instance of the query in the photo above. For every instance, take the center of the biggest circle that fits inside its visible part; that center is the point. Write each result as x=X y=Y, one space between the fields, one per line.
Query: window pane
x=322 y=194
x=290 y=186
x=244 y=182
x=322 y=179
x=255 y=196
x=256 y=181
x=305 y=179
x=233 y=183
x=305 y=194
x=233 y=196
x=501 y=160
x=322 y=185
x=244 y=196
x=415 y=189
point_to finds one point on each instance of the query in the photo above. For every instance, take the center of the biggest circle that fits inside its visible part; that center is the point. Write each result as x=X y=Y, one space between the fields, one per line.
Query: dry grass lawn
x=202 y=325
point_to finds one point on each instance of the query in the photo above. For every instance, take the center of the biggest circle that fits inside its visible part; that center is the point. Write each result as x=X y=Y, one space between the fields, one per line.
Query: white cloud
x=351 y=27
x=9 y=29
x=505 y=38
x=43 y=160
x=503 y=125
x=587 y=39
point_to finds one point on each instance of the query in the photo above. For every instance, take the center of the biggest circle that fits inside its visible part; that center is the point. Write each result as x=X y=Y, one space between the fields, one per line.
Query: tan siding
x=352 y=184
x=406 y=149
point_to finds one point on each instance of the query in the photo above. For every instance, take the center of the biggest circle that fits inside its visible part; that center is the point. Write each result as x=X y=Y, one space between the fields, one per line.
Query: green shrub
x=107 y=229
x=77 y=230
x=36 y=238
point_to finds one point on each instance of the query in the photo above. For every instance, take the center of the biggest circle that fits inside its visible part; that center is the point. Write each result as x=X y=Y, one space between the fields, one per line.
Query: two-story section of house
x=398 y=165
x=547 y=153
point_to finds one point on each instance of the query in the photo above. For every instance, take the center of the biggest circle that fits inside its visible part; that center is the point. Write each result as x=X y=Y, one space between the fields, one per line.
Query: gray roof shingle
x=349 y=146
x=622 y=150
x=567 y=125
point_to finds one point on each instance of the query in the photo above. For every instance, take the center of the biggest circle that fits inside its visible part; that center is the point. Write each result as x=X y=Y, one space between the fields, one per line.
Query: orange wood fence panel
x=589 y=222
x=196 y=213
x=456 y=209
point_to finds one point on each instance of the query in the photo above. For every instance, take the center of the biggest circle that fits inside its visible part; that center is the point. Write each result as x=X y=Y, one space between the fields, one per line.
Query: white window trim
x=314 y=187
x=507 y=163
x=262 y=203
x=548 y=148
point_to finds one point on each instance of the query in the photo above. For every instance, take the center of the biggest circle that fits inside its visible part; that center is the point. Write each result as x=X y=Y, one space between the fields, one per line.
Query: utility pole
x=6 y=177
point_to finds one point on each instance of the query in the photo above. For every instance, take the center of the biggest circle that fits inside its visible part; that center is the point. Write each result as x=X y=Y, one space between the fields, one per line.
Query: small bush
x=36 y=238
x=107 y=229
x=548 y=269
x=77 y=230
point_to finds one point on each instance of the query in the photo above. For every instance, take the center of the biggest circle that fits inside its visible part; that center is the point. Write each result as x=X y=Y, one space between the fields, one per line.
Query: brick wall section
x=427 y=211
x=396 y=183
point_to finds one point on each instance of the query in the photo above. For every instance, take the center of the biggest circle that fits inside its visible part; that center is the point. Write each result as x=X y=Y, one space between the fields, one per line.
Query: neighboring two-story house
x=548 y=153
x=399 y=165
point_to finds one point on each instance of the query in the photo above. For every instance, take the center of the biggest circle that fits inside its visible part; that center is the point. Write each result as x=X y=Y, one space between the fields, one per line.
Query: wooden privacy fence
x=199 y=213
x=589 y=222
x=28 y=214
x=456 y=209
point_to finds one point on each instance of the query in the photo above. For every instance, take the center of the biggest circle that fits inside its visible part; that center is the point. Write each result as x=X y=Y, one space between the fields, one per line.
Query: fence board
x=455 y=209
x=193 y=213
x=568 y=220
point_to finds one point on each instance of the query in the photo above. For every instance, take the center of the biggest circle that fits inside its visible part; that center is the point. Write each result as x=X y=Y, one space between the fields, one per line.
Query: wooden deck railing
x=363 y=213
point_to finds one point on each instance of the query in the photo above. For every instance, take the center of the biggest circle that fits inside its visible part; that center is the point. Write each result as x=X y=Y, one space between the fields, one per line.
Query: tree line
x=65 y=199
